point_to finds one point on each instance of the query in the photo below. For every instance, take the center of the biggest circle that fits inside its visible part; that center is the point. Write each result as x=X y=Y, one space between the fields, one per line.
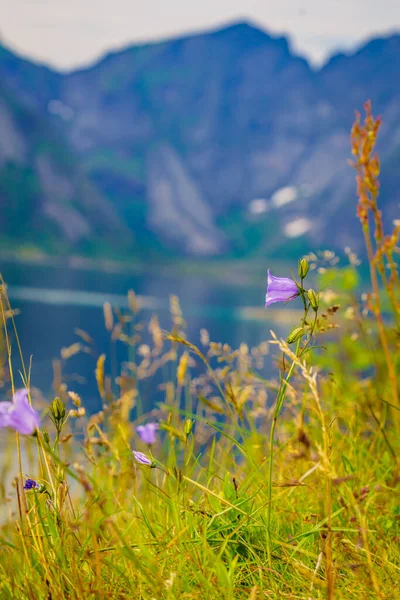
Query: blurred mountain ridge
x=218 y=143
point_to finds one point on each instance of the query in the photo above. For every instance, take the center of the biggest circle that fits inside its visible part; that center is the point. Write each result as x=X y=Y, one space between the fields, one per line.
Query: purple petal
x=31 y=484
x=147 y=433
x=142 y=458
x=20 y=397
x=280 y=289
x=5 y=408
x=19 y=414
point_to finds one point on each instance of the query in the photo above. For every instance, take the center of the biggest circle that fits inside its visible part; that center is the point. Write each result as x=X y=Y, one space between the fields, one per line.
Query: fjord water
x=54 y=301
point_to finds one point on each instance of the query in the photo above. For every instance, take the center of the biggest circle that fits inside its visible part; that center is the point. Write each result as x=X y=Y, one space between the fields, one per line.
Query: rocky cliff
x=183 y=145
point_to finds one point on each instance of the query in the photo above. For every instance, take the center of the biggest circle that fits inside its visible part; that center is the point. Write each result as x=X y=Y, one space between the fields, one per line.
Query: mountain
x=45 y=197
x=216 y=143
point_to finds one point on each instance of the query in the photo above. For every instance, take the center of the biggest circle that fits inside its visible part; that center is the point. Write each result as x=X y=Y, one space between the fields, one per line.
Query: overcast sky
x=70 y=33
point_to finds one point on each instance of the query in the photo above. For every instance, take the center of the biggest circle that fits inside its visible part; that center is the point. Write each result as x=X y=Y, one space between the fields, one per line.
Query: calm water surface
x=53 y=301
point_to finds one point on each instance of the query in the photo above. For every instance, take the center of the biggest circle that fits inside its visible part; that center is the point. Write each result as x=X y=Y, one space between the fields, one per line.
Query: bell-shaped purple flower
x=147 y=433
x=19 y=414
x=280 y=289
x=31 y=484
x=142 y=458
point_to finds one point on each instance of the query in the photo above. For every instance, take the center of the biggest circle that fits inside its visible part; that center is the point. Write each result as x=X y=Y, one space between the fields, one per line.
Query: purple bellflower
x=31 y=484
x=142 y=458
x=147 y=433
x=280 y=289
x=19 y=414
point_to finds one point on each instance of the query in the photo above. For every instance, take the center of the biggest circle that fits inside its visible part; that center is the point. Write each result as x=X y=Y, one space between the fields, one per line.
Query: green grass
x=196 y=525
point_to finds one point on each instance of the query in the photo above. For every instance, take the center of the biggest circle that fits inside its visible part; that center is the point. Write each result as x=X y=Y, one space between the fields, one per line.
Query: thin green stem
x=279 y=402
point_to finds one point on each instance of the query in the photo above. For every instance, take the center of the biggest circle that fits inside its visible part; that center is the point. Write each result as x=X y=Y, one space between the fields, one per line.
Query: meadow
x=234 y=486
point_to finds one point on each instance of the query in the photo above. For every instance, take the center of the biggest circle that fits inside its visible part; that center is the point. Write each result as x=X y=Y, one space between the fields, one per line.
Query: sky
x=70 y=33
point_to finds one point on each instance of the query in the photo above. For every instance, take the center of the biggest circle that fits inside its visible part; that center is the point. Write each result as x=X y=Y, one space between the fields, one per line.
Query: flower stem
x=279 y=402
x=379 y=320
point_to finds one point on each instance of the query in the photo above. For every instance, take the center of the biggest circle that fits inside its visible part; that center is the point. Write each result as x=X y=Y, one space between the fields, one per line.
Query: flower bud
x=58 y=409
x=142 y=459
x=313 y=298
x=304 y=267
x=296 y=334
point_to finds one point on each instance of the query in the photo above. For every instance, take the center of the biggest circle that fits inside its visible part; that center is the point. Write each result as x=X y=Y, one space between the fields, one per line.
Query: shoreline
x=235 y=271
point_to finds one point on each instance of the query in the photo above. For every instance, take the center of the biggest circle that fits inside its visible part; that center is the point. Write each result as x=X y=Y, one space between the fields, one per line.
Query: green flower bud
x=296 y=335
x=313 y=298
x=304 y=267
x=46 y=436
x=58 y=409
